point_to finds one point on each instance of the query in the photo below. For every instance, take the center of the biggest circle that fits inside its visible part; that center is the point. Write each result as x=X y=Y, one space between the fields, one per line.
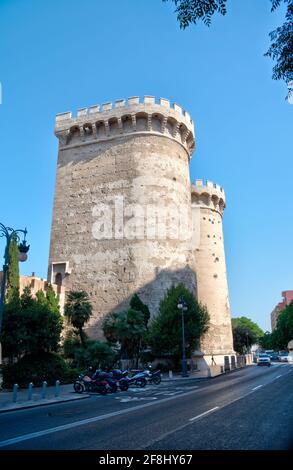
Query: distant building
x=287 y=299
x=37 y=283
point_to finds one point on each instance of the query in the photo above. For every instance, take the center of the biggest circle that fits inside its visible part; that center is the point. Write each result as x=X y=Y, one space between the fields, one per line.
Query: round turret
x=208 y=203
x=209 y=195
x=125 y=118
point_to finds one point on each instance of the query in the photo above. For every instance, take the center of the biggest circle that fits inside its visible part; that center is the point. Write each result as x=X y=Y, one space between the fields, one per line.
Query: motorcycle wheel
x=123 y=385
x=141 y=382
x=78 y=387
x=113 y=388
x=157 y=379
x=101 y=389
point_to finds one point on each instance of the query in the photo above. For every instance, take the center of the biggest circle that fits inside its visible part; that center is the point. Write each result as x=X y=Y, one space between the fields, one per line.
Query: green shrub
x=36 y=369
x=97 y=354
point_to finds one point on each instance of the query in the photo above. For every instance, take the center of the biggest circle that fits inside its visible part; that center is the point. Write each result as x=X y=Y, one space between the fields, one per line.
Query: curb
x=186 y=379
x=206 y=377
x=35 y=405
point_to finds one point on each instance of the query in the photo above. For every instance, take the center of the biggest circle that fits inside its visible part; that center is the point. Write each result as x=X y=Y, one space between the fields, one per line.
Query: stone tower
x=118 y=166
x=208 y=203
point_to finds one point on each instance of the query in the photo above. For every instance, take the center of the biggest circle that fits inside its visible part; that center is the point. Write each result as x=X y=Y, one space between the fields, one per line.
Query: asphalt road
x=250 y=408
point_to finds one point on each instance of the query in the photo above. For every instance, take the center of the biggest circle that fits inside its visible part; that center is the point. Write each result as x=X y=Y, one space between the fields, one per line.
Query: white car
x=283 y=357
x=263 y=360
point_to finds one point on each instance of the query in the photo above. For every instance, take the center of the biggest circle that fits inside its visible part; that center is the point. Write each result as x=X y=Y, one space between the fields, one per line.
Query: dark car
x=274 y=356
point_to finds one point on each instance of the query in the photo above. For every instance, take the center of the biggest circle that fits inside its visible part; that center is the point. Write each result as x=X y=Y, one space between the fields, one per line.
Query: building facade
x=287 y=299
x=36 y=283
x=126 y=218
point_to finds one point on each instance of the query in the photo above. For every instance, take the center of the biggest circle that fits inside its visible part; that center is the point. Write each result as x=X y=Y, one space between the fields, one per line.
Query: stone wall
x=120 y=174
x=118 y=167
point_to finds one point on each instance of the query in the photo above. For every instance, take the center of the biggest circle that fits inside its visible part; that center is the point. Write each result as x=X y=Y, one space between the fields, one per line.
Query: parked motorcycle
x=120 y=377
x=138 y=379
x=85 y=383
x=105 y=379
x=153 y=377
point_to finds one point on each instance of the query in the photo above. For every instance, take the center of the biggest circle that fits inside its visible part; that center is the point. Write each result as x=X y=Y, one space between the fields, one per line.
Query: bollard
x=170 y=374
x=57 y=388
x=30 y=391
x=44 y=390
x=14 y=395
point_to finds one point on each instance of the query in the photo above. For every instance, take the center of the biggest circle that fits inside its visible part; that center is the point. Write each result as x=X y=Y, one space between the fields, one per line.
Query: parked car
x=274 y=356
x=263 y=360
x=283 y=357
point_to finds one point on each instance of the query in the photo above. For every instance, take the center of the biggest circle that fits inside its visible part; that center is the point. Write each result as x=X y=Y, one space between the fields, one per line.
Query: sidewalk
x=177 y=376
x=66 y=394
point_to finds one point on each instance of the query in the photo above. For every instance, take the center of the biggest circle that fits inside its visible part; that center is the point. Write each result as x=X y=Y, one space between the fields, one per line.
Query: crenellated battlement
x=209 y=195
x=109 y=120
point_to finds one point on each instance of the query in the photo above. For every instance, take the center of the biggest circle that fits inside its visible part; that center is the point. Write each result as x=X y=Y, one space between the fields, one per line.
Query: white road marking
x=259 y=386
x=169 y=433
x=279 y=376
x=84 y=422
x=205 y=413
x=127 y=399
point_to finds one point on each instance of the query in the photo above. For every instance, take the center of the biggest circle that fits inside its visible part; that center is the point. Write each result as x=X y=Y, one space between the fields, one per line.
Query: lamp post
x=182 y=305
x=247 y=347
x=9 y=233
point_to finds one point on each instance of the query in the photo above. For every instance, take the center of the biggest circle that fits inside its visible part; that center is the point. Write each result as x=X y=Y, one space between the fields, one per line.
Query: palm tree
x=78 y=310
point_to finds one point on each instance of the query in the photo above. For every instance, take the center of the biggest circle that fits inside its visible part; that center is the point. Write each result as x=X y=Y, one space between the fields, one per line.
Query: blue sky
x=63 y=55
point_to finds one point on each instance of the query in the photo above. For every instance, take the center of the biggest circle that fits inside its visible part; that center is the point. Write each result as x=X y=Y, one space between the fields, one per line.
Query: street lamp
x=9 y=233
x=247 y=341
x=182 y=305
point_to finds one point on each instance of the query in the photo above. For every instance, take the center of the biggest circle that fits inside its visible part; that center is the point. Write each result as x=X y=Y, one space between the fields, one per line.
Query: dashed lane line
x=83 y=422
x=256 y=388
x=205 y=413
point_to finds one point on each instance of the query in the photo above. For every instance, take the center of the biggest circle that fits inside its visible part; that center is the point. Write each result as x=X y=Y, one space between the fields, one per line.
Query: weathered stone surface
x=130 y=161
x=210 y=266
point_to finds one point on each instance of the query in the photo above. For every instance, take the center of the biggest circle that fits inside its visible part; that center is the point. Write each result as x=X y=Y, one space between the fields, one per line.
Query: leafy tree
x=52 y=299
x=165 y=333
x=43 y=328
x=139 y=306
x=71 y=343
x=190 y=11
x=127 y=328
x=41 y=297
x=26 y=299
x=78 y=309
x=267 y=341
x=243 y=339
x=13 y=332
x=30 y=329
x=13 y=272
x=245 y=334
x=281 y=49
x=283 y=332
x=248 y=324
x=97 y=354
